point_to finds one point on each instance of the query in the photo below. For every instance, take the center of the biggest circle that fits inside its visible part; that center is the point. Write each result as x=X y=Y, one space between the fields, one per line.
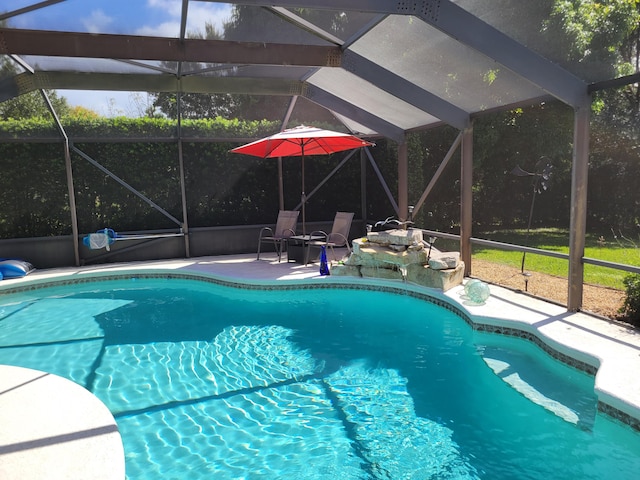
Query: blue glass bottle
x=324 y=266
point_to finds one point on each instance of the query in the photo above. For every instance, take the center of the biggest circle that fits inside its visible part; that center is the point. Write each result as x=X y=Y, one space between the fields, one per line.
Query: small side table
x=298 y=247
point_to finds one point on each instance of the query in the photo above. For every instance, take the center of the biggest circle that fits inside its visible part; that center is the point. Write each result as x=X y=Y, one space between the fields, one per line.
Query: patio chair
x=285 y=228
x=339 y=236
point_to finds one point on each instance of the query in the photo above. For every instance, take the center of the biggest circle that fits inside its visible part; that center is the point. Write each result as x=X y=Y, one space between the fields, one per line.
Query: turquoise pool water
x=207 y=381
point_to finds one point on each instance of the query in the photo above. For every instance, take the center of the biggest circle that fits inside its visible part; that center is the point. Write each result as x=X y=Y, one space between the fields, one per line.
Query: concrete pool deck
x=55 y=429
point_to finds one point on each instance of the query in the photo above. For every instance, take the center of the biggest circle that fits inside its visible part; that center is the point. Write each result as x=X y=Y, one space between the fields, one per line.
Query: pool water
x=207 y=381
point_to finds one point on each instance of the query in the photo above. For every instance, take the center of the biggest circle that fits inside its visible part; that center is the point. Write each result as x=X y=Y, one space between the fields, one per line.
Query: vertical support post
x=578 y=225
x=72 y=202
x=183 y=189
x=183 y=193
x=403 y=180
x=363 y=186
x=69 y=171
x=466 y=198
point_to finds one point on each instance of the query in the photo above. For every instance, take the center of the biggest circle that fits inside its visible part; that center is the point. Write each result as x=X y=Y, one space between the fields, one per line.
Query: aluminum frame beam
x=306 y=25
x=30 y=8
x=130 y=47
x=466 y=198
x=343 y=107
x=137 y=193
x=578 y=221
x=382 y=181
x=69 y=176
x=405 y=90
x=403 y=181
x=25 y=83
x=469 y=30
x=473 y=32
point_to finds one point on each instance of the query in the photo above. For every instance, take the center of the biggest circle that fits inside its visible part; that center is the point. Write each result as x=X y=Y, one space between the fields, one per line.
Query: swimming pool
x=207 y=381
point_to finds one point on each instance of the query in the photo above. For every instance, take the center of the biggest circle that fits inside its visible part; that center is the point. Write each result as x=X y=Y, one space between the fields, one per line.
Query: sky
x=133 y=17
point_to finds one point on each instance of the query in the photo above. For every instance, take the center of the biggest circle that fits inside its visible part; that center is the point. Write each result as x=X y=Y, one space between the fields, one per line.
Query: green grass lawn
x=601 y=248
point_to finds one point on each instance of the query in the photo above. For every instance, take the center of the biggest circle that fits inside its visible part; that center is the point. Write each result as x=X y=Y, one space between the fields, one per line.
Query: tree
x=593 y=33
x=32 y=104
x=194 y=105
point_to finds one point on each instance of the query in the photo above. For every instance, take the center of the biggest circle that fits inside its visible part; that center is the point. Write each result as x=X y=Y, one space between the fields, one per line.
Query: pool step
x=543 y=386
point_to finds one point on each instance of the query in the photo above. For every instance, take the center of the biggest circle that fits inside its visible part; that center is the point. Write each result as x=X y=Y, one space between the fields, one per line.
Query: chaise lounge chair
x=285 y=228
x=339 y=236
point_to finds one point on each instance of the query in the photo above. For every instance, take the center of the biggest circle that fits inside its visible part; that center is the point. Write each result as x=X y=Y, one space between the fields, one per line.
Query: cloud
x=198 y=15
x=166 y=29
x=97 y=22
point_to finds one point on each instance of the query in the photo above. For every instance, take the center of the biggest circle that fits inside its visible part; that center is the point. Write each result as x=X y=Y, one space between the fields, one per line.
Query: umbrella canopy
x=301 y=141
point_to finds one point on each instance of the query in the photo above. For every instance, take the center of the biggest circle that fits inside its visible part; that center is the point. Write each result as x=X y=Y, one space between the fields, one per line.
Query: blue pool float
x=14 y=268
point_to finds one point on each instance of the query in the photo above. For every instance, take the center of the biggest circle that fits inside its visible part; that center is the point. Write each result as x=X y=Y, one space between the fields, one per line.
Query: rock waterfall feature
x=402 y=255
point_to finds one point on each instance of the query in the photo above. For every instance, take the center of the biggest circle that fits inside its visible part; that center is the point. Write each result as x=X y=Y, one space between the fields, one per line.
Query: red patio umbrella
x=298 y=142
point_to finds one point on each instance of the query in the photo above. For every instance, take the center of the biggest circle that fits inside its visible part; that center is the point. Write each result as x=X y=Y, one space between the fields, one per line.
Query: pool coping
x=54 y=428
x=606 y=349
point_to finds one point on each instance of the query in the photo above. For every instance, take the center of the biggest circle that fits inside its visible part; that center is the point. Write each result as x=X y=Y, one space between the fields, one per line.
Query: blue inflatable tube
x=14 y=268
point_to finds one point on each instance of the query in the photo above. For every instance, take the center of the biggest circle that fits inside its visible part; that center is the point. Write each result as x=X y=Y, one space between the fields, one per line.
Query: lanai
x=395 y=68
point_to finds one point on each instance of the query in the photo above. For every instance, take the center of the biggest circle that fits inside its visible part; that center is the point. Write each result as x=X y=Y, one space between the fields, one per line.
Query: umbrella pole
x=304 y=197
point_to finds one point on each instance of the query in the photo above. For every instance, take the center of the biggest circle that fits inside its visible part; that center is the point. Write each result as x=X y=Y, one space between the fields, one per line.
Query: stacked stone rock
x=402 y=255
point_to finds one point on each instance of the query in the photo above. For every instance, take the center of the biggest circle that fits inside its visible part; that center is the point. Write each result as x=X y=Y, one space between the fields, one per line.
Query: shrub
x=631 y=307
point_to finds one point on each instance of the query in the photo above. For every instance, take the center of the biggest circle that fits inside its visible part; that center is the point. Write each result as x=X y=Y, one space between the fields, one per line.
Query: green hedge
x=229 y=189
x=221 y=188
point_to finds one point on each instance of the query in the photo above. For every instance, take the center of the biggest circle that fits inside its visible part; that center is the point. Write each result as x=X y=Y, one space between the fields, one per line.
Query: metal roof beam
x=473 y=32
x=305 y=25
x=87 y=45
x=373 y=6
x=26 y=82
x=342 y=107
x=469 y=30
x=405 y=90
x=28 y=9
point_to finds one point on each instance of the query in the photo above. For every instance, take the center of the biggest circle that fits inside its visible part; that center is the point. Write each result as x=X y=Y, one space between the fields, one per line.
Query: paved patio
x=49 y=421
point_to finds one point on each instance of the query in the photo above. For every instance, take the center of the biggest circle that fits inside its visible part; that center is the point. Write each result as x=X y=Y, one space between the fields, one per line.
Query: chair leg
x=278 y=247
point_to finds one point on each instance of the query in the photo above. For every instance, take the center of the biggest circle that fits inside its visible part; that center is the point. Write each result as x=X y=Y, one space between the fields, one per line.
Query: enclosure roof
x=382 y=67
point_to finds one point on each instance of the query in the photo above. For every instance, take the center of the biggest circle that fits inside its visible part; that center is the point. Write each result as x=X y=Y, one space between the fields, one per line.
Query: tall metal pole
x=303 y=196
x=578 y=225
x=363 y=185
x=403 y=181
x=72 y=202
x=466 y=198
x=70 y=188
x=183 y=188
